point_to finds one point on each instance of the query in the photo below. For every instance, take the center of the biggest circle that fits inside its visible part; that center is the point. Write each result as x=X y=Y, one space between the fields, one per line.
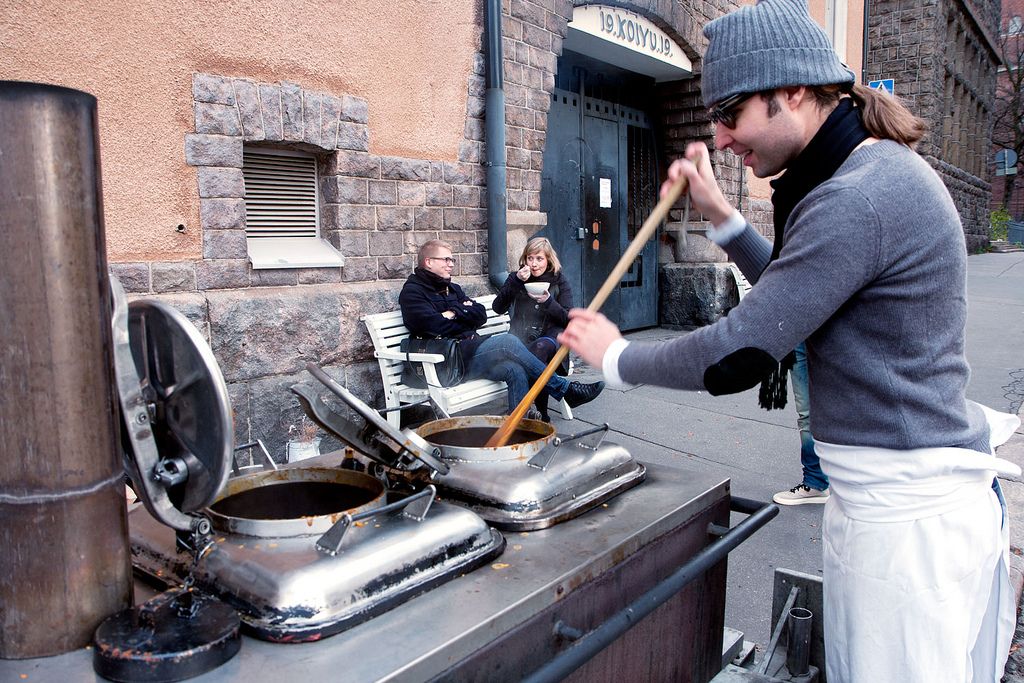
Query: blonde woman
x=434 y=306
x=537 y=318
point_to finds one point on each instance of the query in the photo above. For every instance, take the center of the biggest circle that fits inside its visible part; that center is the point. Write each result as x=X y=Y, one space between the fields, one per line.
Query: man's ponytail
x=887 y=118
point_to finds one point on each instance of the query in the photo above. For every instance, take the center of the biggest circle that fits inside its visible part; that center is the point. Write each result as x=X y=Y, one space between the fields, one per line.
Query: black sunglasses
x=725 y=111
x=447 y=259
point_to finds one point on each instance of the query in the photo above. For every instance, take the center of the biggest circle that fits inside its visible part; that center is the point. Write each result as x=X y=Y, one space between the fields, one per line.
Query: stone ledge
x=526 y=219
x=693 y=295
x=522 y=225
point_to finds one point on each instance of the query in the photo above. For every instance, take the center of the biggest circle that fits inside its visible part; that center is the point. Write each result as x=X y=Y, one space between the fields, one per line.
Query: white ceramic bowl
x=537 y=288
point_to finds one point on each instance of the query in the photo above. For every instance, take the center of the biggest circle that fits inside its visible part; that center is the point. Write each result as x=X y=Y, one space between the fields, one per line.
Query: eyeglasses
x=725 y=111
x=450 y=260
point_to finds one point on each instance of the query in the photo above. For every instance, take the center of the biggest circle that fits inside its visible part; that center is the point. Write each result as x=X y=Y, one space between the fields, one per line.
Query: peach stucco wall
x=409 y=60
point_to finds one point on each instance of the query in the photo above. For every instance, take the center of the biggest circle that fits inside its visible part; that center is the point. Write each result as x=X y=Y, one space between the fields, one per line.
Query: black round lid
x=176 y=635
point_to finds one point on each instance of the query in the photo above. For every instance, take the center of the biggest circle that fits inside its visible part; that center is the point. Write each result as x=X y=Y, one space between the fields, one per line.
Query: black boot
x=580 y=393
x=542 y=405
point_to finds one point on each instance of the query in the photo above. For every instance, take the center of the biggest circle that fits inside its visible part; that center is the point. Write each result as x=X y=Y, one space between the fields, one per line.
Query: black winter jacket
x=531 y=320
x=426 y=296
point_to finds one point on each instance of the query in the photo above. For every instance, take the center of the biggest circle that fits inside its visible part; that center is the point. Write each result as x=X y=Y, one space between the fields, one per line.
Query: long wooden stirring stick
x=504 y=433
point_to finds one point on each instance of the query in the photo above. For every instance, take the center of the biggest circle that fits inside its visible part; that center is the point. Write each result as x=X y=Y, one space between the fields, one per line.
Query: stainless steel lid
x=351 y=554
x=178 y=441
x=287 y=589
x=536 y=484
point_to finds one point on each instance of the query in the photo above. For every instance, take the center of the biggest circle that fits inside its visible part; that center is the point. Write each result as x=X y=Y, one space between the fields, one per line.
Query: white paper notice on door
x=606 y=193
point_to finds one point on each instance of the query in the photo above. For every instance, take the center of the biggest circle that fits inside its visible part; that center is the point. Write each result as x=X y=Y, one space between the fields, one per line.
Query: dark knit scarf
x=842 y=131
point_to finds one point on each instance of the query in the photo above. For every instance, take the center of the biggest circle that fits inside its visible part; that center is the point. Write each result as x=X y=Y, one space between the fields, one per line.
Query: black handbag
x=449 y=373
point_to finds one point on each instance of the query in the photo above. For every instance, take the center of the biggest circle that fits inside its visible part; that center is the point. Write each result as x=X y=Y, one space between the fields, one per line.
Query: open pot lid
x=401 y=449
x=176 y=416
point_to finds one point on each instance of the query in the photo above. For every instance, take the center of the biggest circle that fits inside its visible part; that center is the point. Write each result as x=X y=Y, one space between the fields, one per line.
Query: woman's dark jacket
x=531 y=320
x=426 y=296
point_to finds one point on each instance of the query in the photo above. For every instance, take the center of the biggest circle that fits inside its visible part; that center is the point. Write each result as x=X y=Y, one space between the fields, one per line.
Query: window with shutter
x=281 y=211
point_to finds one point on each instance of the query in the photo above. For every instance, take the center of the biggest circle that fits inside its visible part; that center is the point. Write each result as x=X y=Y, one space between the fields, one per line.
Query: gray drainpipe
x=864 y=47
x=497 y=200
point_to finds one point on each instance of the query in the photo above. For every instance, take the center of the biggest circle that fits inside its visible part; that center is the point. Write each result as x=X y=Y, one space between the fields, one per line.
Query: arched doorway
x=601 y=158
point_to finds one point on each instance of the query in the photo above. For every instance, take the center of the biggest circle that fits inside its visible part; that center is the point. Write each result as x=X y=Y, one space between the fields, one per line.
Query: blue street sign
x=886 y=84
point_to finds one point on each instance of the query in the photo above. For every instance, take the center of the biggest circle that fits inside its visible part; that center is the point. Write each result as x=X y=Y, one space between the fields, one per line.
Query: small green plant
x=999 y=221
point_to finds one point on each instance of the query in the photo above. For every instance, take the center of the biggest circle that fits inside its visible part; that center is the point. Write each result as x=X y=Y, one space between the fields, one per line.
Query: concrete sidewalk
x=759 y=450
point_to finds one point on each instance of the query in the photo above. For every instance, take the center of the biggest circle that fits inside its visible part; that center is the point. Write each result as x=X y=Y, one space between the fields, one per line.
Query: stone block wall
x=942 y=57
x=682 y=117
x=532 y=35
x=695 y=294
x=264 y=325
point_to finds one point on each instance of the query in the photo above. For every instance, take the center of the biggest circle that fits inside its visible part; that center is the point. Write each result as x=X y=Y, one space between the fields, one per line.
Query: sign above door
x=627 y=40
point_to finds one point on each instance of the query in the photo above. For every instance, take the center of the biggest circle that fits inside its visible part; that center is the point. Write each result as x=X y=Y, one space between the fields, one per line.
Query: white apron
x=916 y=556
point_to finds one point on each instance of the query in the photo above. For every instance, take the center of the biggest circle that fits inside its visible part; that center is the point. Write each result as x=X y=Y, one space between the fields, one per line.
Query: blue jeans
x=813 y=476
x=504 y=357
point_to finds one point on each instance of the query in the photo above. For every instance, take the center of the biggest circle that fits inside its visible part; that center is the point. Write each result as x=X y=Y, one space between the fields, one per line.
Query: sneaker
x=801 y=494
x=580 y=393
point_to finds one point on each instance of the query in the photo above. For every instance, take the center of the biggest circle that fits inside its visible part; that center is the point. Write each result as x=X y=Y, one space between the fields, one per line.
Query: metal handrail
x=589 y=645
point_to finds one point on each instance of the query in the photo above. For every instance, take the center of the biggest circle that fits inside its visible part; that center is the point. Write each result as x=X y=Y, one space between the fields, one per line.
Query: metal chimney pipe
x=64 y=559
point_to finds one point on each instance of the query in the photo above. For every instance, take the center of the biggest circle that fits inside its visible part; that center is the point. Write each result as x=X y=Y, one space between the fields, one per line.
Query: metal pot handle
x=414 y=507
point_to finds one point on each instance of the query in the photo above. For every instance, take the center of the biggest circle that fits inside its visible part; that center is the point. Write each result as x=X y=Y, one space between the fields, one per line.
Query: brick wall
x=1011 y=41
x=941 y=55
x=532 y=34
x=681 y=116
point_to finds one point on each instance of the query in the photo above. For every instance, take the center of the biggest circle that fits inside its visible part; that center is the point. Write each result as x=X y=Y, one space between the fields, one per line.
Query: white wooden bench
x=387 y=332
x=742 y=285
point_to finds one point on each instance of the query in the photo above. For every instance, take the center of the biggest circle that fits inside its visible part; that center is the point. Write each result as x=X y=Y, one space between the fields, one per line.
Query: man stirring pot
x=869 y=268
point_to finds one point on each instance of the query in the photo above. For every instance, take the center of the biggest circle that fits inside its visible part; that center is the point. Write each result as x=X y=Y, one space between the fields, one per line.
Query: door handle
x=595 y=228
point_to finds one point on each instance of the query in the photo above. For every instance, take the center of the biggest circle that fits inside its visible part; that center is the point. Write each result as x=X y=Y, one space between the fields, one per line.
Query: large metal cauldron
x=462 y=439
x=307 y=552
x=293 y=502
x=538 y=479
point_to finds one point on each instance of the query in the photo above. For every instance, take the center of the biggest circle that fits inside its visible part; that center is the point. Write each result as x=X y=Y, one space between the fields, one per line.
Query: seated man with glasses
x=434 y=306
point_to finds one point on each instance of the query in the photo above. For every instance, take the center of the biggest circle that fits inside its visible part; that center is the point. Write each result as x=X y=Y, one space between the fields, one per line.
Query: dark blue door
x=560 y=187
x=599 y=183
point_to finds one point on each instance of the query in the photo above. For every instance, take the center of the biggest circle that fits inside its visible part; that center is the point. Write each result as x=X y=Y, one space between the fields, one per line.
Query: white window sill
x=293 y=252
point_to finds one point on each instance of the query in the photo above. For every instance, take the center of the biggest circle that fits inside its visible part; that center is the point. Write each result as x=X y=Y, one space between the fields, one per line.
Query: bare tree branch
x=1008 y=122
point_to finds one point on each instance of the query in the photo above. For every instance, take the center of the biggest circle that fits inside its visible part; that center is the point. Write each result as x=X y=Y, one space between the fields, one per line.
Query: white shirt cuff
x=610 y=364
x=728 y=230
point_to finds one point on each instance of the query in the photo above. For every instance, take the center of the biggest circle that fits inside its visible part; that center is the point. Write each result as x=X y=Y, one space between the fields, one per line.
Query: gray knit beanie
x=769 y=45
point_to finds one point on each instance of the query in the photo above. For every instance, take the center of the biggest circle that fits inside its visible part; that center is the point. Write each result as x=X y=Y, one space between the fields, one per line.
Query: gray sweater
x=872 y=276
